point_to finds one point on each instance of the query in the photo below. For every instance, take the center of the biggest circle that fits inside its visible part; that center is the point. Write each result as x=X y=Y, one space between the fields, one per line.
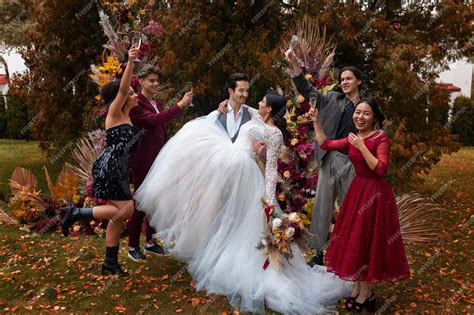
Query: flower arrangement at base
x=24 y=208
x=281 y=230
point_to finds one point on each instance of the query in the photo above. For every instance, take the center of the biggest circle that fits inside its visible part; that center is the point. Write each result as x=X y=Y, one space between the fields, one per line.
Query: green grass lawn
x=49 y=272
x=19 y=153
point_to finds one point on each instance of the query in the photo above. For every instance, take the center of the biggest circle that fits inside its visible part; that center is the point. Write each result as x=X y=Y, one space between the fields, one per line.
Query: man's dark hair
x=146 y=70
x=234 y=78
x=356 y=71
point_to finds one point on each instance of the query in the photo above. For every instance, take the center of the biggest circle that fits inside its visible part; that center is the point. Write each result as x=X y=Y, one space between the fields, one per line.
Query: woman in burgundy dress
x=366 y=244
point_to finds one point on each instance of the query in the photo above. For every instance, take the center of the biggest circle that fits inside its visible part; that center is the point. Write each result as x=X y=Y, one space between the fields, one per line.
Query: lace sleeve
x=332 y=145
x=273 y=141
x=383 y=155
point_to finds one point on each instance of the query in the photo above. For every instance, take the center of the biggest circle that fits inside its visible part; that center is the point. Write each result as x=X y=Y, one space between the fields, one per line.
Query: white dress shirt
x=233 y=124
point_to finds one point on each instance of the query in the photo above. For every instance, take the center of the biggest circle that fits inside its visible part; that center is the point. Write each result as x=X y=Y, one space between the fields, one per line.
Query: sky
x=14 y=61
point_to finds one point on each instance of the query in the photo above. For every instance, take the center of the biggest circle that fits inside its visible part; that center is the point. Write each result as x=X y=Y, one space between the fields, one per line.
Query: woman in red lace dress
x=366 y=244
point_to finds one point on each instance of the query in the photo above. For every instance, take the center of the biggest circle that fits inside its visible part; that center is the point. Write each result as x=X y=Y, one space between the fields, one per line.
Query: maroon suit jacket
x=153 y=126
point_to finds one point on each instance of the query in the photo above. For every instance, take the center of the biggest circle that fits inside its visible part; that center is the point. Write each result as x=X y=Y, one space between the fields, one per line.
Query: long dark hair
x=278 y=105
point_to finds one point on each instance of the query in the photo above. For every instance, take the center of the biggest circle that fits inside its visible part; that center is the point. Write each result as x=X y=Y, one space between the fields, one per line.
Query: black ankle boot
x=111 y=265
x=73 y=215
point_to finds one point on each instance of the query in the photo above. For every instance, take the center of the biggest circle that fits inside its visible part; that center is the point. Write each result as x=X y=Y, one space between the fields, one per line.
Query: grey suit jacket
x=330 y=107
x=222 y=118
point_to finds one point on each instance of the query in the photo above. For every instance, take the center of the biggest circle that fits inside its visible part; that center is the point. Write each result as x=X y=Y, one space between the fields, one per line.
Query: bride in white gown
x=203 y=194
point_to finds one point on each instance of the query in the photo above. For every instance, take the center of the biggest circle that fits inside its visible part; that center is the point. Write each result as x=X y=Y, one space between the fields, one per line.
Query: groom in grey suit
x=236 y=115
x=335 y=169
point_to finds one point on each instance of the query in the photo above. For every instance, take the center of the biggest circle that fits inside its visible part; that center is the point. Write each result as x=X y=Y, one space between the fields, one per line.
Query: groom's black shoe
x=317 y=259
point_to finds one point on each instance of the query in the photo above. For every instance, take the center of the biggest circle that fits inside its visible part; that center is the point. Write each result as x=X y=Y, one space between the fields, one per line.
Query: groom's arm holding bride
x=259 y=148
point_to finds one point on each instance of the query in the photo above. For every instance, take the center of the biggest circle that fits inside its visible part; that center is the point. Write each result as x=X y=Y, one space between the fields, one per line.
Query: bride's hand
x=223 y=107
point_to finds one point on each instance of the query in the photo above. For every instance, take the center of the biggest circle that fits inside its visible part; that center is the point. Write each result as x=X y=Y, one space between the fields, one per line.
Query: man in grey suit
x=335 y=169
x=235 y=115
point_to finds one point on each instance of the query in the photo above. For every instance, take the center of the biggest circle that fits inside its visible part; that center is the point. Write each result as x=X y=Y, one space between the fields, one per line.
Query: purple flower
x=154 y=28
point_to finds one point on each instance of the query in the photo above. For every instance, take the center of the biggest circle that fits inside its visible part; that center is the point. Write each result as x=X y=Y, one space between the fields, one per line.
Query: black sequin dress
x=110 y=179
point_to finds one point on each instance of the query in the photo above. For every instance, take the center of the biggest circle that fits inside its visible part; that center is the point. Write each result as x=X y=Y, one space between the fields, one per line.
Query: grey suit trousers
x=335 y=175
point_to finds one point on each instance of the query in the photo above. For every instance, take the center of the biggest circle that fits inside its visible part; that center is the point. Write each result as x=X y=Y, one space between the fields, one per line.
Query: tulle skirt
x=203 y=196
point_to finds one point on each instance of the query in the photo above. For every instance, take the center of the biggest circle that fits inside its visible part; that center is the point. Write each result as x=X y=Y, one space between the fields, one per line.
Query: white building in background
x=458 y=79
x=3 y=83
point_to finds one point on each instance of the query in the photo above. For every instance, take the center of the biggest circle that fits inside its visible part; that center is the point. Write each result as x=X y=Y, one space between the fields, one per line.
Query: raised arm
x=302 y=85
x=274 y=141
x=140 y=116
x=115 y=108
x=143 y=117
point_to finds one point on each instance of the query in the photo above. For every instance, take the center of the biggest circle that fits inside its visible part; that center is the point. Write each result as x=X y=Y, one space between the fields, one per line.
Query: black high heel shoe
x=369 y=304
x=349 y=302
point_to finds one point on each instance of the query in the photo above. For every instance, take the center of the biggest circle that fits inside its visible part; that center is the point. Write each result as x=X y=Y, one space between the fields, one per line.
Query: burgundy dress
x=366 y=244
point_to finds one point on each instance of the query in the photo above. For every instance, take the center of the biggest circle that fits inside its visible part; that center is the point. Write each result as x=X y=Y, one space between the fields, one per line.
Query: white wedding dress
x=203 y=197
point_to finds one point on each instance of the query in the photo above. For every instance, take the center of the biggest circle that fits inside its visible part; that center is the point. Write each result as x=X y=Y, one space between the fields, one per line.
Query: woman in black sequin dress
x=110 y=170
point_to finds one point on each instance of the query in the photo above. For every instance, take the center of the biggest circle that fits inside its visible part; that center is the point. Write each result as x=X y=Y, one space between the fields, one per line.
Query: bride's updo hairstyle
x=109 y=92
x=278 y=105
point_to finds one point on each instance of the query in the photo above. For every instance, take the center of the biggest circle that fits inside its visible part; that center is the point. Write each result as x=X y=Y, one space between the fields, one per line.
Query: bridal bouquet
x=281 y=230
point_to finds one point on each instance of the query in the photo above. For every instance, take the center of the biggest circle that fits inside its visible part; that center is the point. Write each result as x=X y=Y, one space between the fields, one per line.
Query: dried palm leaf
x=66 y=170
x=36 y=201
x=6 y=219
x=85 y=153
x=326 y=64
x=418 y=217
x=50 y=183
x=286 y=184
x=113 y=45
x=313 y=42
x=22 y=177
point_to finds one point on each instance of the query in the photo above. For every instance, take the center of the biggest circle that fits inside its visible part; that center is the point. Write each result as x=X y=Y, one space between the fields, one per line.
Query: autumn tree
x=402 y=48
x=208 y=41
x=462 y=120
x=66 y=39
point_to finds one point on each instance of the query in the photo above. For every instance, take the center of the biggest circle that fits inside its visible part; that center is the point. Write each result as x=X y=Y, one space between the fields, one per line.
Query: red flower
x=123 y=17
x=135 y=83
x=145 y=50
x=305 y=106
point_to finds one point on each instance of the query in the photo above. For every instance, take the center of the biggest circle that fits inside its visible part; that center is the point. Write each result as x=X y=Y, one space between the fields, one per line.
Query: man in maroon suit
x=149 y=116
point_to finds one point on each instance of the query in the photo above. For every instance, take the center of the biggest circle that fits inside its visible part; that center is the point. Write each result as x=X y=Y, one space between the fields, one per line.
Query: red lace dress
x=366 y=243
